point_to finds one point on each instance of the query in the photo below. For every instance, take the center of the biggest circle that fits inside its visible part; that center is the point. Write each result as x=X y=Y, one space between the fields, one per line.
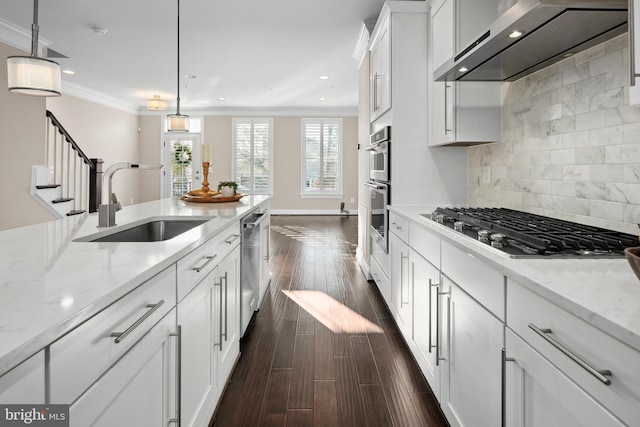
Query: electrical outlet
x=353 y=200
x=486 y=174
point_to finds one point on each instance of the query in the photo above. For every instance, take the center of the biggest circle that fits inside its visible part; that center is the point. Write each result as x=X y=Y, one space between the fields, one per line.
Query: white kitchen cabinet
x=139 y=390
x=461 y=113
x=400 y=285
x=380 y=78
x=471 y=356
x=265 y=258
x=425 y=283
x=227 y=304
x=209 y=318
x=581 y=353
x=24 y=384
x=537 y=394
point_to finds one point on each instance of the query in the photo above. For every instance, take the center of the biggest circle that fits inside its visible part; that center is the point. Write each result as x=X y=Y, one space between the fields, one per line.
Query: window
x=252 y=141
x=321 y=157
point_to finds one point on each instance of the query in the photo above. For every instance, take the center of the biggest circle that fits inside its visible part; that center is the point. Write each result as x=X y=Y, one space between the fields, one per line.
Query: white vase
x=227 y=191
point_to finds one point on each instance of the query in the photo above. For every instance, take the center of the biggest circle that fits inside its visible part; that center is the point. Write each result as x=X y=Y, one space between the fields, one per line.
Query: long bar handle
x=447 y=106
x=600 y=374
x=119 y=336
x=208 y=260
x=375 y=186
x=268 y=257
x=505 y=359
x=402 y=258
x=376 y=77
x=437 y=286
x=233 y=239
x=219 y=344
x=178 y=375
x=438 y=326
x=226 y=313
x=632 y=44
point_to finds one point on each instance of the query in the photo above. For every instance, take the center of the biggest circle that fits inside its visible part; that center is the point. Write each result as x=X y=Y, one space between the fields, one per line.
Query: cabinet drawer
x=594 y=347
x=425 y=243
x=83 y=355
x=196 y=265
x=399 y=226
x=477 y=279
x=381 y=279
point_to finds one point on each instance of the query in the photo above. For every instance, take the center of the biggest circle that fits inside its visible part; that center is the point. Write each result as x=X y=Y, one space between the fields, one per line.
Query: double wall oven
x=379 y=186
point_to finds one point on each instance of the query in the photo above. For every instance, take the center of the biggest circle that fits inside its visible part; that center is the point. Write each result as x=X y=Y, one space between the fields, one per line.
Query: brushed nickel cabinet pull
x=119 y=336
x=230 y=241
x=178 y=375
x=600 y=374
x=209 y=259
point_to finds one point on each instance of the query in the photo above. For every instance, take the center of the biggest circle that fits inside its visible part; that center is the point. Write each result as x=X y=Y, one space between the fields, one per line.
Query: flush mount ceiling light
x=31 y=75
x=324 y=77
x=156 y=104
x=515 y=34
x=178 y=122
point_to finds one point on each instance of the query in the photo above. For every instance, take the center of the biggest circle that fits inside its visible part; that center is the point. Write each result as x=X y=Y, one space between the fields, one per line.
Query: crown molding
x=20 y=38
x=362 y=44
x=97 y=97
x=263 y=111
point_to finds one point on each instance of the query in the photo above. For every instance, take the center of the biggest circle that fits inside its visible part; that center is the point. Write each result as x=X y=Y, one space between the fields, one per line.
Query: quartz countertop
x=49 y=283
x=603 y=292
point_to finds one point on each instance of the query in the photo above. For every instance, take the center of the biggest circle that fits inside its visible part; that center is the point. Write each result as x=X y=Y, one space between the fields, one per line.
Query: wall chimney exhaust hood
x=534 y=34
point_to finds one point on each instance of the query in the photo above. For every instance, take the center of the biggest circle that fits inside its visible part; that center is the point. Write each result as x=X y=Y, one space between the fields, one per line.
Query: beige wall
x=106 y=133
x=22 y=139
x=150 y=151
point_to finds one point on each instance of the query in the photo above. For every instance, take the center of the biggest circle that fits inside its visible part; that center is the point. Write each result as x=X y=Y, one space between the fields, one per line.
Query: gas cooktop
x=522 y=234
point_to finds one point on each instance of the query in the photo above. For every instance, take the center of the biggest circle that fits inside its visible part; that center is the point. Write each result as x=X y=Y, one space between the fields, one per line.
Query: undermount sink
x=152 y=230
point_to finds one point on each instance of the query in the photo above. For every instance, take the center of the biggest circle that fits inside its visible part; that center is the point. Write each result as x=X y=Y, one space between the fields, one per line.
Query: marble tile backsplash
x=570 y=143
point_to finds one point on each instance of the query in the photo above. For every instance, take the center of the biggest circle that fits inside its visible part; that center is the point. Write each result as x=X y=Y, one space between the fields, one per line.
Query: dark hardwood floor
x=351 y=368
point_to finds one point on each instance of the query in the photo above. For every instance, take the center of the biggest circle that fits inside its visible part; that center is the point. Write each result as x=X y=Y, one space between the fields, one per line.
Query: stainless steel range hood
x=552 y=30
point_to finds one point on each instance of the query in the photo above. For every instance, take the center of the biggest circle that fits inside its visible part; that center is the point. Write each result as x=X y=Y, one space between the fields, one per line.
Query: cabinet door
x=471 y=365
x=443 y=119
x=24 y=383
x=196 y=314
x=426 y=282
x=537 y=394
x=227 y=330
x=381 y=71
x=400 y=286
x=442 y=33
x=137 y=390
x=265 y=256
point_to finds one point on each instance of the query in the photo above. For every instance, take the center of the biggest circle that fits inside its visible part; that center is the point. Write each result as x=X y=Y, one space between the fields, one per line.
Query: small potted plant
x=227 y=188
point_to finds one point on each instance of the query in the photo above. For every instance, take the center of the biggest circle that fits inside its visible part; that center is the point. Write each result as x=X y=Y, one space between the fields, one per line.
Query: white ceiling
x=254 y=53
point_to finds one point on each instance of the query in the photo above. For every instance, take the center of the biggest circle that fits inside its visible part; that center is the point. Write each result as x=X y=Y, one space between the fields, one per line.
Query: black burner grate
x=541 y=234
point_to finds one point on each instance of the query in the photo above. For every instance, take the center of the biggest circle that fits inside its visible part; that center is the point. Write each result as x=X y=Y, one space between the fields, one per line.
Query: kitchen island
x=514 y=341
x=50 y=283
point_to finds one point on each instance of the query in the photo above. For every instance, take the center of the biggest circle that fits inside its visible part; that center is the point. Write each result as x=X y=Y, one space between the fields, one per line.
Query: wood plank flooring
x=353 y=368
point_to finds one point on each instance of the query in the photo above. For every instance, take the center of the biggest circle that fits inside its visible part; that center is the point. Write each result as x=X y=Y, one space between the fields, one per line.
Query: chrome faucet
x=107 y=211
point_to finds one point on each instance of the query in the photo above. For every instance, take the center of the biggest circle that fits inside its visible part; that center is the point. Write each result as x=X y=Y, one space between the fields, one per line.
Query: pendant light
x=31 y=75
x=178 y=122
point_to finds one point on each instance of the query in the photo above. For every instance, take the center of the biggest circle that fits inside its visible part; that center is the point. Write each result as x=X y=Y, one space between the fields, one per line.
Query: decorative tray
x=211 y=198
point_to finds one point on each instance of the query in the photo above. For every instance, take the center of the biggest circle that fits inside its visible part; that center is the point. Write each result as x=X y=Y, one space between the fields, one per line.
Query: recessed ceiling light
x=324 y=77
x=322 y=98
x=70 y=72
x=221 y=98
x=191 y=76
x=515 y=34
x=463 y=69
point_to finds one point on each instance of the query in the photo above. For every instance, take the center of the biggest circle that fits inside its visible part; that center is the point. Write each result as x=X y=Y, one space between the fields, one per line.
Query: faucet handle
x=114 y=201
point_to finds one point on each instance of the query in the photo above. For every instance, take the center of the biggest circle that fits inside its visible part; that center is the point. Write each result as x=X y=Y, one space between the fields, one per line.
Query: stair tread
x=62 y=200
x=43 y=187
x=75 y=212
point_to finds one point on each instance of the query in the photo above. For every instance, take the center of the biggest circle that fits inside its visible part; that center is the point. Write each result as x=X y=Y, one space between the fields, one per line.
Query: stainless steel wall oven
x=379 y=186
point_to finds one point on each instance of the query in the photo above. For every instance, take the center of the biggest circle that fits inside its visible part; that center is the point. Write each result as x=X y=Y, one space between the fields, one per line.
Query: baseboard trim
x=312 y=212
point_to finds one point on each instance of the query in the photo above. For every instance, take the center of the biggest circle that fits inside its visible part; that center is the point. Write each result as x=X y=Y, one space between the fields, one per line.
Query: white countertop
x=49 y=284
x=604 y=292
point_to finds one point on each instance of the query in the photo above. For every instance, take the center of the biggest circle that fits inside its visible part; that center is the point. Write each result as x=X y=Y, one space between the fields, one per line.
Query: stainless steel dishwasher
x=250 y=265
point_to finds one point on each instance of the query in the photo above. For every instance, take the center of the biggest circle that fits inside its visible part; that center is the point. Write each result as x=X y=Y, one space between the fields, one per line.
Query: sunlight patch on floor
x=336 y=316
